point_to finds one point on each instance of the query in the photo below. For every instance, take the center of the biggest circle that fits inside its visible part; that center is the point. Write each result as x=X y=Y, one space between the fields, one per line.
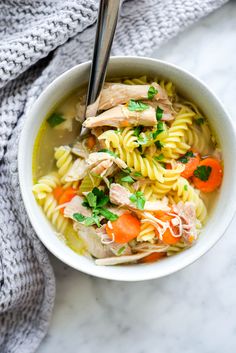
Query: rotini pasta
x=45 y=185
x=136 y=188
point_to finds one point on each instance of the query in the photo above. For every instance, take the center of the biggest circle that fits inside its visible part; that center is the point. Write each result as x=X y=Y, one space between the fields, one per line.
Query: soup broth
x=141 y=185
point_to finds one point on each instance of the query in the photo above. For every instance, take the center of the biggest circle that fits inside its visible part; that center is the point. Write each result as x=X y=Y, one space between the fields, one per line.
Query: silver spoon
x=106 y=26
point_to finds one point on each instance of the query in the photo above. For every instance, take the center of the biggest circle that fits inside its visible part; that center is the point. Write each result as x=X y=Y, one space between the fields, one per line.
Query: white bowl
x=191 y=88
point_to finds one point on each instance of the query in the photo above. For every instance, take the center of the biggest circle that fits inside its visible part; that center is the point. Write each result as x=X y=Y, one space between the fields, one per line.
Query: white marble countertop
x=191 y=311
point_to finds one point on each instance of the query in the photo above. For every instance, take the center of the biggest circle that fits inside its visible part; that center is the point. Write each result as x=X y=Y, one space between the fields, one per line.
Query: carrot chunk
x=168 y=237
x=153 y=257
x=124 y=229
x=191 y=165
x=208 y=176
x=66 y=196
x=57 y=192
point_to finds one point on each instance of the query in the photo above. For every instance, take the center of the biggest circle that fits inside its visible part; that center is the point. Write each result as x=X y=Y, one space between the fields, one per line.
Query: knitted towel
x=29 y=31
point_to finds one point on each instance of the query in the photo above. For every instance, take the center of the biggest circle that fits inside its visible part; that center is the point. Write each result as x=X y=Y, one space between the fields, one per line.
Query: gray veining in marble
x=191 y=311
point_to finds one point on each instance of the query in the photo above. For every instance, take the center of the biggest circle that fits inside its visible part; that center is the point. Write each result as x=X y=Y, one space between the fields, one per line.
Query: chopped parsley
x=127 y=179
x=159 y=145
x=152 y=92
x=137 y=174
x=186 y=187
x=159 y=130
x=159 y=113
x=142 y=140
x=139 y=199
x=95 y=200
x=159 y=158
x=137 y=130
x=203 y=172
x=199 y=121
x=109 y=152
x=126 y=170
x=55 y=119
x=137 y=106
x=121 y=250
x=186 y=157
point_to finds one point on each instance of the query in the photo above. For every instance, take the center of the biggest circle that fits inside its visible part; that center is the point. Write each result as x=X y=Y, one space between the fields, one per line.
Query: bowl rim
x=35 y=223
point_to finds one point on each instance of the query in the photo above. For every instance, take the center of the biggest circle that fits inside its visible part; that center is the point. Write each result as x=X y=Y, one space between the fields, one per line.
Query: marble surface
x=191 y=311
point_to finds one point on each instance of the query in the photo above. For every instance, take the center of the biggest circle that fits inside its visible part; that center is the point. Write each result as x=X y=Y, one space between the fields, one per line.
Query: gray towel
x=40 y=40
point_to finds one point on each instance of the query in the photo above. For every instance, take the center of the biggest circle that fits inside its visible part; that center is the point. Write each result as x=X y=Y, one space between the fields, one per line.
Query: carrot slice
x=167 y=236
x=215 y=177
x=190 y=166
x=124 y=229
x=66 y=196
x=57 y=192
x=91 y=141
x=153 y=257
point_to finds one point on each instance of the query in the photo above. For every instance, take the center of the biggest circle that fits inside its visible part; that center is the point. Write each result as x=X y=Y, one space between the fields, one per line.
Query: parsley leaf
x=89 y=221
x=137 y=106
x=159 y=113
x=186 y=187
x=186 y=157
x=121 y=250
x=152 y=92
x=126 y=170
x=91 y=199
x=199 y=121
x=110 y=216
x=78 y=217
x=137 y=174
x=101 y=198
x=203 y=172
x=109 y=152
x=142 y=140
x=159 y=145
x=139 y=199
x=159 y=158
x=127 y=179
x=55 y=119
x=137 y=130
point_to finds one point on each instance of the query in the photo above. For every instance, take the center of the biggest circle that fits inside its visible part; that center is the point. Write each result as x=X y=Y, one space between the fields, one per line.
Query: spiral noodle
x=147 y=233
x=174 y=144
x=183 y=191
x=64 y=162
x=125 y=137
x=199 y=138
x=54 y=216
x=177 y=248
x=45 y=185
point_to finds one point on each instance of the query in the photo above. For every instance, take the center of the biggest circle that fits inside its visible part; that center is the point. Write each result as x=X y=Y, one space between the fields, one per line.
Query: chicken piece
x=186 y=211
x=75 y=206
x=117 y=260
x=119 y=195
x=96 y=157
x=121 y=116
x=92 y=241
x=114 y=94
x=103 y=168
x=80 y=150
x=77 y=171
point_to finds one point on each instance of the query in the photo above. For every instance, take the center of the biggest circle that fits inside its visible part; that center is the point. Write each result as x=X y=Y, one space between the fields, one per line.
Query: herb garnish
x=159 y=113
x=55 y=119
x=186 y=157
x=159 y=158
x=127 y=179
x=137 y=106
x=137 y=130
x=152 y=92
x=186 y=187
x=159 y=145
x=109 y=152
x=199 y=121
x=203 y=172
x=139 y=199
x=159 y=130
x=95 y=200
x=137 y=174
x=121 y=250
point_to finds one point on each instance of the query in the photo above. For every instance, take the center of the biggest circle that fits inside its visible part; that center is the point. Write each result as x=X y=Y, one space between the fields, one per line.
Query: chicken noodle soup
x=140 y=186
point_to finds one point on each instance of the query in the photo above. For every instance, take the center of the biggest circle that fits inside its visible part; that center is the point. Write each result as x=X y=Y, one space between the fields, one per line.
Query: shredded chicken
x=114 y=94
x=92 y=241
x=80 y=150
x=96 y=157
x=119 y=195
x=77 y=171
x=75 y=206
x=121 y=116
x=103 y=168
x=187 y=213
x=117 y=260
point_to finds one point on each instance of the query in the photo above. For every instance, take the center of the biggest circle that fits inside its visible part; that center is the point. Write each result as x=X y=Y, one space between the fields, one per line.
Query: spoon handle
x=106 y=26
